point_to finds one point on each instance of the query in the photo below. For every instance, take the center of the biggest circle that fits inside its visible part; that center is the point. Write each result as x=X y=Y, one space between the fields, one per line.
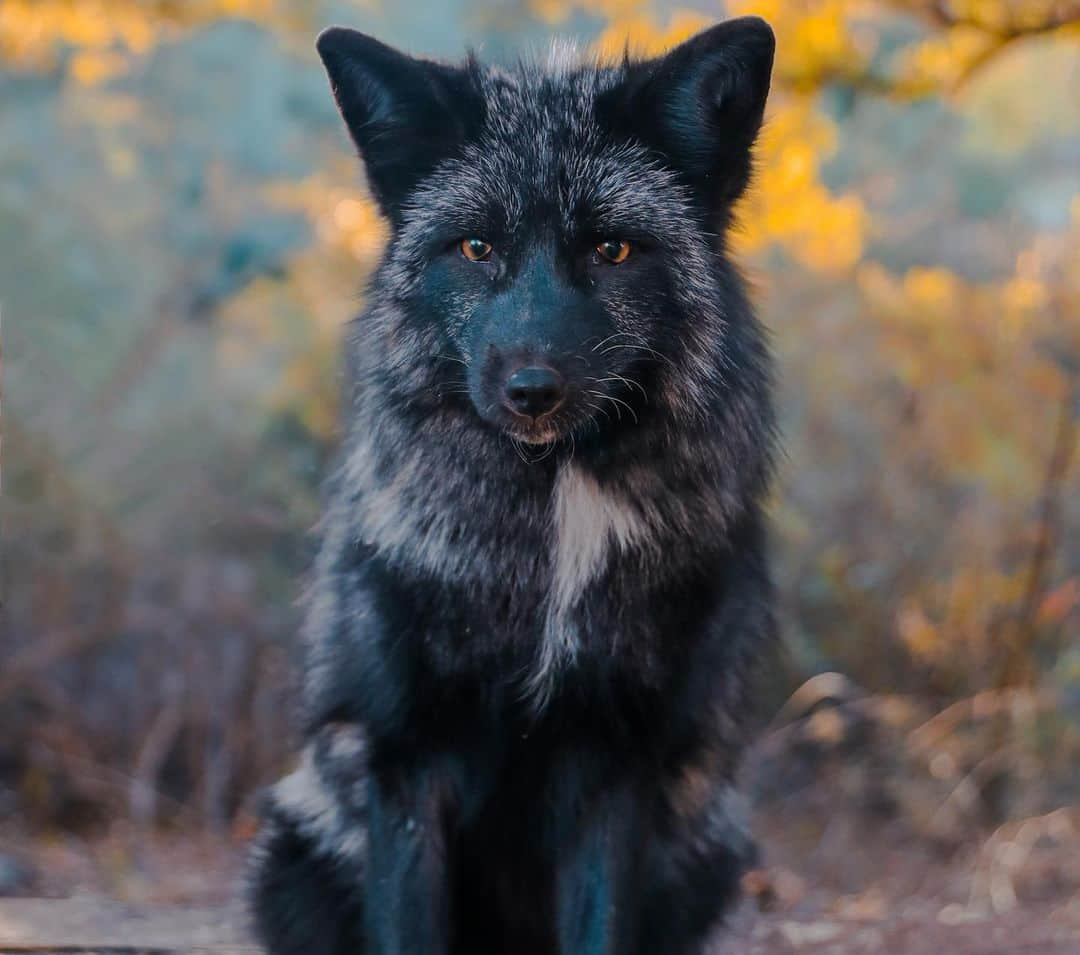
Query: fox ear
x=701 y=105
x=403 y=113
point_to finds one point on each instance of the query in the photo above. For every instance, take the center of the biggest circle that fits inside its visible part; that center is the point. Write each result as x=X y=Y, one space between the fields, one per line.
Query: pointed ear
x=404 y=114
x=701 y=105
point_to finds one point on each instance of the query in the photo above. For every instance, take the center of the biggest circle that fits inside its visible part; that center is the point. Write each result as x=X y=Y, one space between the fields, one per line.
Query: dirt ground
x=94 y=925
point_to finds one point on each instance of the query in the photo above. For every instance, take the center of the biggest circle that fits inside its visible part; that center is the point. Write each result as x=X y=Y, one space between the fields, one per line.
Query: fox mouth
x=570 y=421
x=539 y=431
x=573 y=417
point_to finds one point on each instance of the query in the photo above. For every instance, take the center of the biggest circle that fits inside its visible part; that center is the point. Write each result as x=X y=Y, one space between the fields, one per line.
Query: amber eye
x=476 y=250
x=614 y=251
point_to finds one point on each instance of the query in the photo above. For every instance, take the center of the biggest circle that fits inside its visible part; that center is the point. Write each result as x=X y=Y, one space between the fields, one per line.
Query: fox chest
x=598 y=549
x=536 y=582
x=593 y=531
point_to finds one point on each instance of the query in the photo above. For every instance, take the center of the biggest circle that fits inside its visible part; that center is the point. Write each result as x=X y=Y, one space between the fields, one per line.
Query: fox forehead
x=607 y=187
x=543 y=150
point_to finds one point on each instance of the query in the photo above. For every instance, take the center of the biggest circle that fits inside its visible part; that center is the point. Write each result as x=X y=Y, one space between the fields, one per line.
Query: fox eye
x=614 y=251
x=476 y=250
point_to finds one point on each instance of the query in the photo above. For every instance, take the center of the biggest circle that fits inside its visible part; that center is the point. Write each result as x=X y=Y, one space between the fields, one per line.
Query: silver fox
x=542 y=596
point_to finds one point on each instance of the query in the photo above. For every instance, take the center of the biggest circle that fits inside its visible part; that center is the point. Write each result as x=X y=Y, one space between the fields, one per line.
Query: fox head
x=557 y=230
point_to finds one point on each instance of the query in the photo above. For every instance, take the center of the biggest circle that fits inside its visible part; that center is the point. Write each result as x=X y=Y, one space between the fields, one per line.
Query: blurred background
x=183 y=232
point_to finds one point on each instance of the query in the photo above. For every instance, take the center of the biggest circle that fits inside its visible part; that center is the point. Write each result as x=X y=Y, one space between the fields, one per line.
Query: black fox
x=542 y=595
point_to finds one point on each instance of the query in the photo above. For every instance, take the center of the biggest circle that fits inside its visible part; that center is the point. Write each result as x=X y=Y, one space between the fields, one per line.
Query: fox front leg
x=597 y=876
x=408 y=895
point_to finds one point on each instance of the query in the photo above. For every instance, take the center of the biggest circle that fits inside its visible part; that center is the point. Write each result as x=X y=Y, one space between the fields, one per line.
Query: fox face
x=556 y=230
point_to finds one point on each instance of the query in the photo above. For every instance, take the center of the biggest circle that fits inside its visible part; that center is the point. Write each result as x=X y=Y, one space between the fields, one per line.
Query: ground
x=93 y=925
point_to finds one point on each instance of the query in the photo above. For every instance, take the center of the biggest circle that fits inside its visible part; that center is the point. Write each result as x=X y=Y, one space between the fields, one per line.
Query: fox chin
x=542 y=598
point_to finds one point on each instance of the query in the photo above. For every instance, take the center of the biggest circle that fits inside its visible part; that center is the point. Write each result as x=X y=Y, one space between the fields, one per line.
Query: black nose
x=534 y=391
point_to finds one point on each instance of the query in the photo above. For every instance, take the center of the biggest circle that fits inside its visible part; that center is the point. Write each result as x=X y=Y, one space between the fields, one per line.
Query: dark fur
x=532 y=644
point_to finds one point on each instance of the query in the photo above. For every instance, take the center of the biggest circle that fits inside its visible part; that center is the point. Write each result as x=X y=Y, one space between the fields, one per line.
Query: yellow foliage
x=814 y=40
x=643 y=37
x=280 y=339
x=1001 y=115
x=919 y=634
x=555 y=11
x=298 y=322
x=93 y=66
x=341 y=219
x=983 y=358
x=997 y=16
x=105 y=33
x=1021 y=295
x=933 y=289
x=944 y=59
x=788 y=205
x=952 y=626
x=970 y=33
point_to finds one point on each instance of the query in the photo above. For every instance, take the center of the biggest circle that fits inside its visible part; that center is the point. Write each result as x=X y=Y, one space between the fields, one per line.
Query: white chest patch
x=588 y=523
